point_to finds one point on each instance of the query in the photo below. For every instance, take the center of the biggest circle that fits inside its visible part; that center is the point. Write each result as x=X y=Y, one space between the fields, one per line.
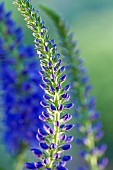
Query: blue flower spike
x=56 y=96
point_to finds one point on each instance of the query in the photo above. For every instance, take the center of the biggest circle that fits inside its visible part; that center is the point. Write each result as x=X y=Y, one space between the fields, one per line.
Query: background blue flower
x=20 y=79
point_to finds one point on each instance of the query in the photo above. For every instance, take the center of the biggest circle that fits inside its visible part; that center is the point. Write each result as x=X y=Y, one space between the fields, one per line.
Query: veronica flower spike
x=87 y=123
x=52 y=137
x=18 y=83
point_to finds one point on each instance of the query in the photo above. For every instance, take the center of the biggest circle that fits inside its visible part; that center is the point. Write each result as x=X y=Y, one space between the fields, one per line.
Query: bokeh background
x=92 y=22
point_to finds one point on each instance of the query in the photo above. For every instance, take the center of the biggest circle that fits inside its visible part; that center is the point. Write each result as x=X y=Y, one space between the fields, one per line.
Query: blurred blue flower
x=20 y=85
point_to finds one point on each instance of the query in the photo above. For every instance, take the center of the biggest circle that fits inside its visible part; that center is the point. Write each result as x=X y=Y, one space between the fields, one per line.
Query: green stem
x=56 y=130
x=93 y=163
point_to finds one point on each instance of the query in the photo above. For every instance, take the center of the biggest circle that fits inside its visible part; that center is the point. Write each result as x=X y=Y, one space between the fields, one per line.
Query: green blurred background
x=92 y=22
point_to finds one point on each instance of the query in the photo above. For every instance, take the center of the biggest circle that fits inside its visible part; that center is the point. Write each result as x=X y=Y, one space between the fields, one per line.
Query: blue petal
x=66 y=146
x=37 y=152
x=44 y=146
x=30 y=165
x=66 y=158
x=61 y=168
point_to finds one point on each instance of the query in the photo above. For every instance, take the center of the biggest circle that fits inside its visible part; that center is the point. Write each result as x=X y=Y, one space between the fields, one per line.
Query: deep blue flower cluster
x=20 y=81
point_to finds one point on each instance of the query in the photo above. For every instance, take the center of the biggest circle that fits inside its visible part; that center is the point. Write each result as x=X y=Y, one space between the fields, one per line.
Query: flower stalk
x=52 y=137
